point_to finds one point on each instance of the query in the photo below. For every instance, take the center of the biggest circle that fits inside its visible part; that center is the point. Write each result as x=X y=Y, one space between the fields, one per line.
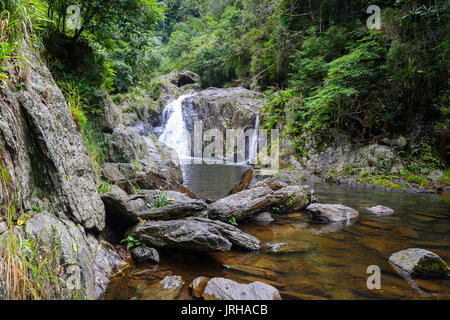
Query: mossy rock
x=420 y=263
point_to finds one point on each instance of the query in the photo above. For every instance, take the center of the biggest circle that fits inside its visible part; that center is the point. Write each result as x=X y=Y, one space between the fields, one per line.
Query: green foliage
x=233 y=221
x=130 y=242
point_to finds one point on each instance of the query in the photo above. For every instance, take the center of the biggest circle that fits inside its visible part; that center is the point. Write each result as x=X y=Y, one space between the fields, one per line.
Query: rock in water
x=243 y=182
x=242 y=204
x=197 y=234
x=166 y=289
x=256 y=200
x=329 y=213
x=420 y=263
x=198 y=286
x=225 y=289
x=381 y=211
x=143 y=254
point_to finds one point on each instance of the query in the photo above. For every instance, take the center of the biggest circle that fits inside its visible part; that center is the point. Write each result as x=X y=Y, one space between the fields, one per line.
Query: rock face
x=197 y=234
x=225 y=289
x=329 y=213
x=143 y=254
x=256 y=200
x=45 y=164
x=87 y=262
x=222 y=109
x=381 y=211
x=243 y=182
x=142 y=162
x=42 y=150
x=420 y=263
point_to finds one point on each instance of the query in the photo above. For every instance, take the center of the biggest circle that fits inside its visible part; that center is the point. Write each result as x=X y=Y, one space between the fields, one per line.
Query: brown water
x=320 y=261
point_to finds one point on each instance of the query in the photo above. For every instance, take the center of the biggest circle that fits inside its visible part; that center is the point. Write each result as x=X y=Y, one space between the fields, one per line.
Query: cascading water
x=175 y=134
x=253 y=147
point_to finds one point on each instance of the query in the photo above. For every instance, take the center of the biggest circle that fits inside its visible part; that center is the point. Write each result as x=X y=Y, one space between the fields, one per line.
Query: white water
x=175 y=134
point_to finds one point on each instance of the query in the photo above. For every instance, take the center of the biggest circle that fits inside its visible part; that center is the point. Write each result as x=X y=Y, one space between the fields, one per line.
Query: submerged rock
x=329 y=213
x=166 y=289
x=142 y=254
x=420 y=263
x=225 y=289
x=197 y=234
x=381 y=211
x=243 y=182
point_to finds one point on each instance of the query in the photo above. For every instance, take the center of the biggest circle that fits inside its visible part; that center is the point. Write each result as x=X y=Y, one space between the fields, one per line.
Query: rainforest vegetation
x=316 y=59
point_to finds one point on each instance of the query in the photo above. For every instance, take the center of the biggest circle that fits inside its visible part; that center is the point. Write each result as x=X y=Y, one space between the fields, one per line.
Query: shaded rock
x=253 y=271
x=243 y=182
x=198 y=286
x=271 y=183
x=381 y=211
x=120 y=207
x=183 y=77
x=264 y=217
x=197 y=234
x=225 y=289
x=242 y=204
x=112 y=115
x=329 y=213
x=142 y=254
x=420 y=263
x=408 y=233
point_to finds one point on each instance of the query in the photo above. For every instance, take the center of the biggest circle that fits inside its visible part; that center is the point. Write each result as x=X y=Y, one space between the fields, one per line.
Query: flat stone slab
x=381 y=211
x=225 y=289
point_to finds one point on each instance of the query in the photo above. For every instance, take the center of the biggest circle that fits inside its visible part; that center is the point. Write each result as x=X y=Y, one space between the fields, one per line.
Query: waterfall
x=253 y=143
x=175 y=134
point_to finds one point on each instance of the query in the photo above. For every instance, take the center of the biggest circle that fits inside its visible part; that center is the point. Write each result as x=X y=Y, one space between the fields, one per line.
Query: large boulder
x=330 y=213
x=242 y=204
x=420 y=263
x=197 y=234
x=225 y=289
x=256 y=200
x=381 y=211
x=143 y=254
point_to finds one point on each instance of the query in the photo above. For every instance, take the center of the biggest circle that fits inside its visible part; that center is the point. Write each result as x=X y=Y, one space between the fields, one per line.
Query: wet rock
x=183 y=77
x=253 y=271
x=381 y=211
x=198 y=286
x=142 y=254
x=242 y=204
x=243 y=182
x=225 y=289
x=329 y=213
x=165 y=289
x=197 y=234
x=271 y=183
x=408 y=233
x=419 y=263
x=120 y=207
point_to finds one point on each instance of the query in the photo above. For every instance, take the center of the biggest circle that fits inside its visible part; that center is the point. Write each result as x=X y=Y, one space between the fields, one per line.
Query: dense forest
x=359 y=98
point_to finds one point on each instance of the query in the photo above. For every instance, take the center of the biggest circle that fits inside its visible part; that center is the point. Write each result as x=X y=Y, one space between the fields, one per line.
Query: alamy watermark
x=374 y=281
x=374 y=21
x=74 y=18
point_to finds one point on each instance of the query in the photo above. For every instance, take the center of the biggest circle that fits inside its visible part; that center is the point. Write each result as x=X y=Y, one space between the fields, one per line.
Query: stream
x=319 y=261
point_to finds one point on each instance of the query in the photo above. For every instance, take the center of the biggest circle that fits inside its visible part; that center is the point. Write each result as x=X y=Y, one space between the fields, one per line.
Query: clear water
x=320 y=262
